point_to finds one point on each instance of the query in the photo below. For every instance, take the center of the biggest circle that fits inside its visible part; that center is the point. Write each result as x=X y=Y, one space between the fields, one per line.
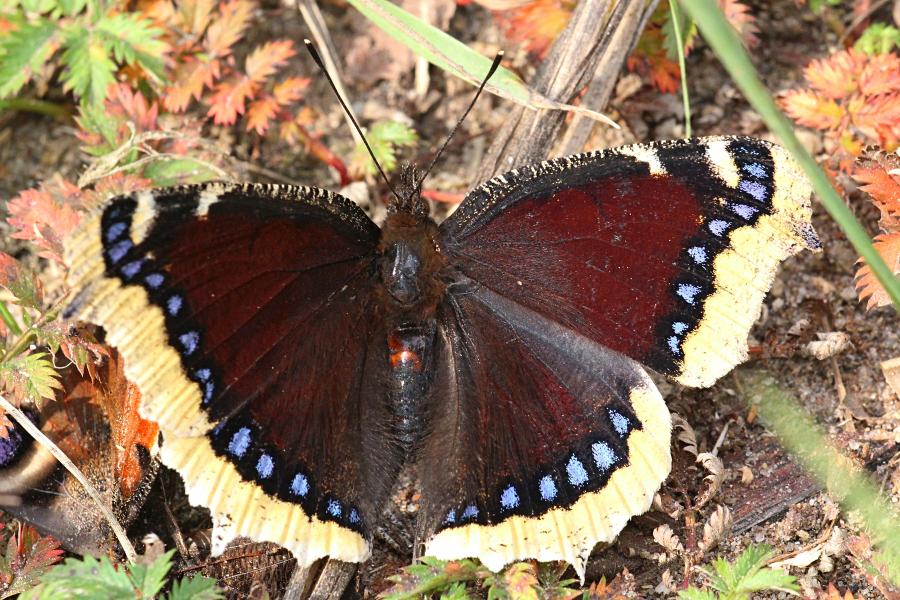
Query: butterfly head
x=408 y=198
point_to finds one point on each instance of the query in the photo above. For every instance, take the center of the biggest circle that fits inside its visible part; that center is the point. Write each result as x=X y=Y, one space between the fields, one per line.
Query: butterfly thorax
x=409 y=265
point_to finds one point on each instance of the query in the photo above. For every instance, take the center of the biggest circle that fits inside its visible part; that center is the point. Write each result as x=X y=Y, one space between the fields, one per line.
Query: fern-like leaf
x=23 y=52
x=29 y=377
x=134 y=41
x=384 y=138
x=89 y=67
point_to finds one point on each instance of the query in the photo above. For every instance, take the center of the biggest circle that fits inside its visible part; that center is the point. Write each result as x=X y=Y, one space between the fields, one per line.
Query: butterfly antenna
x=440 y=151
x=318 y=60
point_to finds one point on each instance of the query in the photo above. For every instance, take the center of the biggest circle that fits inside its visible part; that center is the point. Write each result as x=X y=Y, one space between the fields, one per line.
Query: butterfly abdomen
x=411 y=350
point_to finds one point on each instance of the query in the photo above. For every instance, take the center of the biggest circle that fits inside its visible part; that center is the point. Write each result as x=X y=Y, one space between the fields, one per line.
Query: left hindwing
x=662 y=252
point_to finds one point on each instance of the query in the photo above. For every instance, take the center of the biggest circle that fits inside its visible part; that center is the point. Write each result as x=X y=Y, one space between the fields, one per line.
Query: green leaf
x=23 y=52
x=384 y=137
x=38 y=6
x=688 y=32
x=72 y=7
x=134 y=40
x=85 y=578
x=29 y=377
x=89 y=68
x=878 y=38
x=195 y=588
x=149 y=579
x=21 y=281
x=178 y=171
x=451 y=55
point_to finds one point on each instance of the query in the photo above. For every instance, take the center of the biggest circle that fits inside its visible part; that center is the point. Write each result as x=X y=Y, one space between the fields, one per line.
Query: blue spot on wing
x=619 y=421
x=174 y=304
x=547 y=488
x=604 y=455
x=698 y=253
x=576 y=472
x=189 y=341
x=688 y=292
x=755 y=189
x=118 y=251
x=718 y=227
x=300 y=485
x=240 y=441
x=756 y=170
x=264 y=466
x=114 y=231
x=130 y=269
x=509 y=499
x=154 y=280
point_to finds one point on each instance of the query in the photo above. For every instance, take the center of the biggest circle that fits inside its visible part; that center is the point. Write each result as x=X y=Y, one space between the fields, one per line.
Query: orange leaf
x=739 y=17
x=812 y=110
x=6 y=425
x=196 y=14
x=867 y=286
x=881 y=180
x=228 y=28
x=229 y=100
x=260 y=112
x=880 y=74
x=535 y=24
x=191 y=78
x=837 y=76
x=266 y=59
x=290 y=90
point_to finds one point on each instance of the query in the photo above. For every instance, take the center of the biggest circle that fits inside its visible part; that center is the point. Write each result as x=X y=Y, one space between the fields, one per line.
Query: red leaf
x=123 y=101
x=260 y=113
x=266 y=59
x=229 y=100
x=21 y=282
x=36 y=216
x=867 y=286
x=228 y=28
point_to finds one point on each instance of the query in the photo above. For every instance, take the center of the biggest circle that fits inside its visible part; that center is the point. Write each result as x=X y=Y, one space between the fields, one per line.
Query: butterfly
x=296 y=356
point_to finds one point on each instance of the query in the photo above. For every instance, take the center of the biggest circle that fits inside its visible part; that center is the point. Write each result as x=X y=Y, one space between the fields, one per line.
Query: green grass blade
x=679 y=42
x=806 y=441
x=724 y=41
x=453 y=56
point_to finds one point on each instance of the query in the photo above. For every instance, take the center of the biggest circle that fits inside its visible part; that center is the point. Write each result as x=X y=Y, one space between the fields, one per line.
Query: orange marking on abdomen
x=402 y=356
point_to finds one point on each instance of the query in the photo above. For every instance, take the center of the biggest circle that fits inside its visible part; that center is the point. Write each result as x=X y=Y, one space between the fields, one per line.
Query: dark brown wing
x=543 y=442
x=245 y=315
x=663 y=251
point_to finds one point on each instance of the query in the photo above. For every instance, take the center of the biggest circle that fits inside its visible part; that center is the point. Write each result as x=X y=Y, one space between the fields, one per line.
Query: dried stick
x=592 y=49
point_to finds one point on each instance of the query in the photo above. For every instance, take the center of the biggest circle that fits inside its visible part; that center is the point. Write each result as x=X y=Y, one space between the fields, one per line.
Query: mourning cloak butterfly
x=295 y=355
